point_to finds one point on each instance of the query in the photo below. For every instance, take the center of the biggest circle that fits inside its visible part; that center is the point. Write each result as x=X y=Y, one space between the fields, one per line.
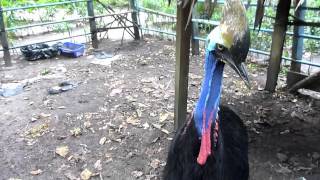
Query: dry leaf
x=163 y=117
x=155 y=163
x=98 y=165
x=158 y=126
x=86 y=174
x=76 y=131
x=165 y=131
x=102 y=140
x=137 y=174
x=36 y=172
x=71 y=176
x=38 y=130
x=152 y=114
x=44 y=115
x=139 y=112
x=62 y=150
x=133 y=121
x=87 y=124
x=115 y=92
x=194 y=76
x=148 y=80
x=146 y=90
x=146 y=125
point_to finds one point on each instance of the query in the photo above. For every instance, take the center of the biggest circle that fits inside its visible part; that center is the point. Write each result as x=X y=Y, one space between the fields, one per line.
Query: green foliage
x=160 y=5
x=259 y=40
x=12 y=19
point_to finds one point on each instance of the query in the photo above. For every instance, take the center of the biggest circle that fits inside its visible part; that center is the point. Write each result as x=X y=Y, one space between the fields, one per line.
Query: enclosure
x=118 y=119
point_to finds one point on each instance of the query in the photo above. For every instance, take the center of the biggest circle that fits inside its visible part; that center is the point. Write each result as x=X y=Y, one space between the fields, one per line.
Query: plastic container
x=11 y=89
x=72 y=49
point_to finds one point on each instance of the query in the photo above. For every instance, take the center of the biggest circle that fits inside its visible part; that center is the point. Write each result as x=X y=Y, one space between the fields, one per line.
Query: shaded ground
x=118 y=121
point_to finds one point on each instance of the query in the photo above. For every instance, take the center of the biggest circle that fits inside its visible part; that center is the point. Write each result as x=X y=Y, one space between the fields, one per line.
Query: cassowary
x=213 y=143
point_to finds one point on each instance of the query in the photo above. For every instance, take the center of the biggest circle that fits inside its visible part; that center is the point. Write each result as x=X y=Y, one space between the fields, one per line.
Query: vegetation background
x=260 y=40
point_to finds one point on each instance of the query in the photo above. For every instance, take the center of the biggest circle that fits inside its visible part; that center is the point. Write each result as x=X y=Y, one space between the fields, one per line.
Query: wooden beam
x=4 y=40
x=305 y=82
x=278 y=38
x=293 y=77
x=92 y=22
x=182 y=63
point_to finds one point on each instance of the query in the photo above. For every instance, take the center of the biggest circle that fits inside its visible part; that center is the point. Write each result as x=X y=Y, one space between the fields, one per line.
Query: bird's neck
x=207 y=107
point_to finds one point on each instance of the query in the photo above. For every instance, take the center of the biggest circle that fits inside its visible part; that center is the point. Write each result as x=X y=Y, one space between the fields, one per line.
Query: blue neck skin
x=209 y=100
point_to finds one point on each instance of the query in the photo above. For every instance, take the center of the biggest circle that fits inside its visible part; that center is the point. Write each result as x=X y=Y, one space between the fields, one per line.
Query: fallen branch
x=305 y=82
x=310 y=93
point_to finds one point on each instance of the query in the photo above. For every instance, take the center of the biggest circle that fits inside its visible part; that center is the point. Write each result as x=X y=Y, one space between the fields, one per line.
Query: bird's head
x=228 y=44
x=230 y=40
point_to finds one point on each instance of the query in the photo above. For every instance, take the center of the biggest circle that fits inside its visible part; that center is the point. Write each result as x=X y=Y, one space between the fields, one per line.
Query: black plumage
x=228 y=160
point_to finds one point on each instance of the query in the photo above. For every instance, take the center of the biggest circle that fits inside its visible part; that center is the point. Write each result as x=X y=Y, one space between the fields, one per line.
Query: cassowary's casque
x=213 y=144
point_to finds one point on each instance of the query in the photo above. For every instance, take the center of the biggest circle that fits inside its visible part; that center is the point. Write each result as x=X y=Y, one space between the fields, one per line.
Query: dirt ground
x=117 y=122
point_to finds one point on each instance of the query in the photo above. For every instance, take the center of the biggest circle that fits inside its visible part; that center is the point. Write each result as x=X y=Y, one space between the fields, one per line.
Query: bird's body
x=229 y=159
x=213 y=144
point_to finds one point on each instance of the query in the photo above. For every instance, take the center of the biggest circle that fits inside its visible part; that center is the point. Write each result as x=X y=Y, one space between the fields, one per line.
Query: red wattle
x=205 y=148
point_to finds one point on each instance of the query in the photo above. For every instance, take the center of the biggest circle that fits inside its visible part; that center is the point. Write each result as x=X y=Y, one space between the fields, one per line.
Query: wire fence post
x=4 y=40
x=92 y=22
x=134 y=16
x=297 y=46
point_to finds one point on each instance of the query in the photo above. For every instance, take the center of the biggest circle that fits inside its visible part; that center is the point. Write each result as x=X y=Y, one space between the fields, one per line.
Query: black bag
x=39 y=51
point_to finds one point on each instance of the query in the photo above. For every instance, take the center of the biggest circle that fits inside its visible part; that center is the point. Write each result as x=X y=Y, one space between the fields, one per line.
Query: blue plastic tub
x=72 y=49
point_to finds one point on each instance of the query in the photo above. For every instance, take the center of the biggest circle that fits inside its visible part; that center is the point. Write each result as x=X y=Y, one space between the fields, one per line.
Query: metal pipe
x=268 y=6
x=62 y=21
x=41 y=5
x=159 y=31
x=139 y=8
x=268 y=54
x=216 y=23
x=43 y=24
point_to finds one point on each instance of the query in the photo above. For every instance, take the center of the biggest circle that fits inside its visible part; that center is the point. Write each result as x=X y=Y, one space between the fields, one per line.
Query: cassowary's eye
x=220 y=47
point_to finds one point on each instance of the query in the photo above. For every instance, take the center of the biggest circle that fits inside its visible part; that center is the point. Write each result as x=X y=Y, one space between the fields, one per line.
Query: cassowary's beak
x=241 y=71
x=239 y=67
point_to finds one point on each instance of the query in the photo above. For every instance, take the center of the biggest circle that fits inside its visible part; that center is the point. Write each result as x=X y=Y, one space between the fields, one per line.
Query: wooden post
x=182 y=64
x=278 y=38
x=4 y=40
x=134 y=16
x=92 y=22
x=195 y=33
x=297 y=46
